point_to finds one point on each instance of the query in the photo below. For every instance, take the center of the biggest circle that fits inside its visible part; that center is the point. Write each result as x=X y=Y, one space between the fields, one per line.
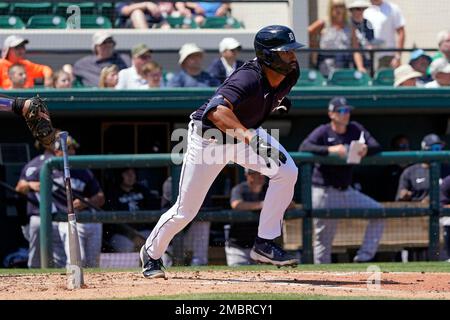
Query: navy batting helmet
x=271 y=40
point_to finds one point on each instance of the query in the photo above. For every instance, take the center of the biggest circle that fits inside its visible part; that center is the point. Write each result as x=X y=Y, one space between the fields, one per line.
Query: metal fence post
x=307 y=225
x=45 y=216
x=435 y=174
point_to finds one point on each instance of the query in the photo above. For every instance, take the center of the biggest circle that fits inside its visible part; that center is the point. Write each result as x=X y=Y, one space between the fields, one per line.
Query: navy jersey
x=445 y=191
x=323 y=137
x=138 y=198
x=251 y=95
x=83 y=182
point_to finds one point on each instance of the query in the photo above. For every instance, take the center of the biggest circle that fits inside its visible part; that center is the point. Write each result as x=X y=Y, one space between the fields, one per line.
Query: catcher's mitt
x=38 y=120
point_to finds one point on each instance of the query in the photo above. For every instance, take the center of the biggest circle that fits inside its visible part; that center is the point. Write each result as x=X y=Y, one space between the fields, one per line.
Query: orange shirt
x=33 y=71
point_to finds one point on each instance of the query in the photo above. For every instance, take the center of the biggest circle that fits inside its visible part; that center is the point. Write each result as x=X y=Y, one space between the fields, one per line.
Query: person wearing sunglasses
x=332 y=184
x=414 y=183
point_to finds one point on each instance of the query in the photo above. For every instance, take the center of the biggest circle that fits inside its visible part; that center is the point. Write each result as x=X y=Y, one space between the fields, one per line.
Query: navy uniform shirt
x=416 y=179
x=323 y=137
x=217 y=69
x=249 y=91
x=83 y=182
x=445 y=191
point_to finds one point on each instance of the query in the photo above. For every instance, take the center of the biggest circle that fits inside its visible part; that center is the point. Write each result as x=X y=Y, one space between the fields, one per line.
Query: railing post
x=435 y=174
x=45 y=216
x=307 y=225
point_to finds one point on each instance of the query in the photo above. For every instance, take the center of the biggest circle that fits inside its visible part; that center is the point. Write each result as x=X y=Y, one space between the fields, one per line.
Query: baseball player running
x=237 y=110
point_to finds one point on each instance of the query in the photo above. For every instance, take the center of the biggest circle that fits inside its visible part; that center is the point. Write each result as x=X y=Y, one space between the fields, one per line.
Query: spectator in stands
x=192 y=74
x=414 y=183
x=132 y=77
x=364 y=32
x=88 y=69
x=109 y=77
x=420 y=62
x=406 y=76
x=61 y=80
x=152 y=73
x=440 y=71
x=336 y=33
x=222 y=67
x=68 y=68
x=84 y=186
x=445 y=221
x=388 y=24
x=140 y=15
x=331 y=184
x=443 y=39
x=13 y=52
x=127 y=194
x=202 y=10
x=18 y=76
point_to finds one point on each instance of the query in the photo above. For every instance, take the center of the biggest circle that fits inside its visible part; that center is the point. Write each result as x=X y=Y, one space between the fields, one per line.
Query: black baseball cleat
x=270 y=253
x=151 y=268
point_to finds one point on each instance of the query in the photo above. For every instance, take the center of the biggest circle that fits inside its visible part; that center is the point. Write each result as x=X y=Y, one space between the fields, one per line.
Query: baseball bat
x=74 y=269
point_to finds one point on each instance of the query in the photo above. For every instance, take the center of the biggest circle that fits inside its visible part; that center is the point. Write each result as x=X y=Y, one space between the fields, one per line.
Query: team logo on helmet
x=291 y=36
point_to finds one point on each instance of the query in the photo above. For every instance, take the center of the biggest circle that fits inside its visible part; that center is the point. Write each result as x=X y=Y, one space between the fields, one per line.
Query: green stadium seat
x=27 y=9
x=60 y=8
x=384 y=77
x=46 y=22
x=221 y=23
x=310 y=78
x=106 y=9
x=95 y=22
x=11 y=22
x=348 y=78
x=180 y=22
x=5 y=8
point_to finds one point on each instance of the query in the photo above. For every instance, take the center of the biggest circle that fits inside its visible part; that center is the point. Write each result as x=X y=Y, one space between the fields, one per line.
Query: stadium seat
x=85 y=8
x=106 y=9
x=221 y=23
x=384 y=77
x=309 y=78
x=4 y=8
x=180 y=22
x=27 y=9
x=46 y=22
x=95 y=22
x=349 y=77
x=11 y=22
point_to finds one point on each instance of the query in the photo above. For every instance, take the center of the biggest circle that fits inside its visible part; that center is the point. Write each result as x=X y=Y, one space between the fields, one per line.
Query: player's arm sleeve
x=403 y=184
x=313 y=143
x=445 y=192
x=234 y=91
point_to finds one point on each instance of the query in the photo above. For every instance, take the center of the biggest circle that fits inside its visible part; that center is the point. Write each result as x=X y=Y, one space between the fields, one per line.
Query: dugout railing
x=305 y=161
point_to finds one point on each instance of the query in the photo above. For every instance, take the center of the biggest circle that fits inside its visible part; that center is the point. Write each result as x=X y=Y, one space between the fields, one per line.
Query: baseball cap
x=229 y=44
x=186 y=50
x=440 y=65
x=359 y=4
x=338 y=102
x=12 y=42
x=140 y=49
x=431 y=139
x=99 y=37
x=416 y=54
x=403 y=73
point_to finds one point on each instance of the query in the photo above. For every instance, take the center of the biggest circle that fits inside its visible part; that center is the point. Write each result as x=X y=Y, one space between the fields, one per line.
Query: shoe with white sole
x=270 y=253
x=151 y=268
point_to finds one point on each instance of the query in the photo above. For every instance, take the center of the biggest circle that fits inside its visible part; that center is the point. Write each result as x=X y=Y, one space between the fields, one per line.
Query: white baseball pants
x=203 y=161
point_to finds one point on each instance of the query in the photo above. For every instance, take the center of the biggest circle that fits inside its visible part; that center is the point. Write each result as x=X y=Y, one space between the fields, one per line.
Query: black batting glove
x=267 y=151
x=284 y=107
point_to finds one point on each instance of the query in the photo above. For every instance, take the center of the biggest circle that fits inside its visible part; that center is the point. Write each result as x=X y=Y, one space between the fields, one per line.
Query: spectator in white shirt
x=389 y=26
x=440 y=71
x=132 y=78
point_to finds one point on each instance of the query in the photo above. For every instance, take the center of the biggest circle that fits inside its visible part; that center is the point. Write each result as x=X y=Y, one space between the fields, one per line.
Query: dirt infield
x=107 y=285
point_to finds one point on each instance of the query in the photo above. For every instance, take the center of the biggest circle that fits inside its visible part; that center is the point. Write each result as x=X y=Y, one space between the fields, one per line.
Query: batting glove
x=265 y=150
